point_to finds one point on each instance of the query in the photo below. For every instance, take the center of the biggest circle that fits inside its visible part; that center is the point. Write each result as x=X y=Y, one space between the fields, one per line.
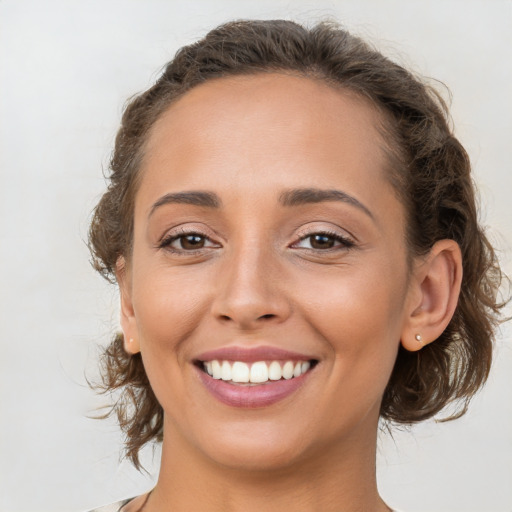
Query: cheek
x=368 y=290
x=168 y=309
x=358 y=320
x=168 y=304
x=359 y=315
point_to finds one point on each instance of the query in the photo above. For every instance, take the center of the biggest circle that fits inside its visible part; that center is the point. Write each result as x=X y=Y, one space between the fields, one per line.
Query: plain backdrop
x=67 y=68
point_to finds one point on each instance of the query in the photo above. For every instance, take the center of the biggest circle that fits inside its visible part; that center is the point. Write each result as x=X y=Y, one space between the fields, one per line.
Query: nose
x=251 y=290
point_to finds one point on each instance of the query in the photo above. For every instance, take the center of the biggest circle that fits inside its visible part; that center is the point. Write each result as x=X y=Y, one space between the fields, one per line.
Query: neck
x=341 y=478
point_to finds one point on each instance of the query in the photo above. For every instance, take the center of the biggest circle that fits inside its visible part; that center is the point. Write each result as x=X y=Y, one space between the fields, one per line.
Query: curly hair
x=430 y=171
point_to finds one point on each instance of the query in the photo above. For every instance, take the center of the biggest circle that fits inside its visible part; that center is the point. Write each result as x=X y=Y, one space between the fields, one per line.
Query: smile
x=252 y=377
x=259 y=372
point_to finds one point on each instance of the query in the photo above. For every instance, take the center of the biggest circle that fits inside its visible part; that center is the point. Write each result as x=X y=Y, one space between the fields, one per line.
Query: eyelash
x=345 y=242
x=181 y=234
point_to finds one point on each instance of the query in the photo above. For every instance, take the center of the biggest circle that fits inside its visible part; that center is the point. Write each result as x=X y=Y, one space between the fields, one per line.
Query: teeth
x=288 y=370
x=216 y=371
x=274 y=371
x=225 y=371
x=257 y=373
x=240 y=372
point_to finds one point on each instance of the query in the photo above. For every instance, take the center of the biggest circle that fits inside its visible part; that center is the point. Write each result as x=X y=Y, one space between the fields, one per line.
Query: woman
x=292 y=226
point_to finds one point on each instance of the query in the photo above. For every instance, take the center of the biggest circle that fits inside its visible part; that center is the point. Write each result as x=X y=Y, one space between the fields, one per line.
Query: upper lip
x=252 y=354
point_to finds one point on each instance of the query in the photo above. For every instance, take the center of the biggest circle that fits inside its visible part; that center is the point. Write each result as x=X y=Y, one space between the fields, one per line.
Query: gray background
x=66 y=69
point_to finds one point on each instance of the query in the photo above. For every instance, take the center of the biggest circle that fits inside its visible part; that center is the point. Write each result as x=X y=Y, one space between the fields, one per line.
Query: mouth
x=253 y=377
x=241 y=373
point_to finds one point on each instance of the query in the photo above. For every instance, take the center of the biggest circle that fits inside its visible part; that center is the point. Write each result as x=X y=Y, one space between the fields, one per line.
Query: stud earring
x=131 y=346
x=419 y=339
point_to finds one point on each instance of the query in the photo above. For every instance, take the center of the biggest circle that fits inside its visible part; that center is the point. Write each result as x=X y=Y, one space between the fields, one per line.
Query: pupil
x=322 y=242
x=192 y=242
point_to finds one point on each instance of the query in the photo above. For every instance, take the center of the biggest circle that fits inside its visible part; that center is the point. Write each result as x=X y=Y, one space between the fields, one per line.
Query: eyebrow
x=300 y=196
x=193 y=197
x=289 y=198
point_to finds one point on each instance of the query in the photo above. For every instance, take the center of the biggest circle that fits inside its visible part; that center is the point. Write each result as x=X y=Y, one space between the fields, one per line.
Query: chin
x=254 y=449
x=256 y=457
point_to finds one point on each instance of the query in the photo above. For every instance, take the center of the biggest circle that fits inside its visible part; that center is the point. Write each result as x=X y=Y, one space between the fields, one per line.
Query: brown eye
x=191 y=242
x=324 y=241
x=321 y=241
x=187 y=242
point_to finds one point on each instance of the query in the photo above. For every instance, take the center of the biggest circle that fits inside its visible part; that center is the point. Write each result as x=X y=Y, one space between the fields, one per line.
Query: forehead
x=265 y=130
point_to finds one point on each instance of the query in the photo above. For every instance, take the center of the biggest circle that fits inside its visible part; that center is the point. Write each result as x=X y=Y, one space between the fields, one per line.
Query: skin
x=260 y=279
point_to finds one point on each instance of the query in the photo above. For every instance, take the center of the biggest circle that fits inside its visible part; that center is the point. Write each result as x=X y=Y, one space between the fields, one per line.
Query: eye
x=186 y=242
x=324 y=241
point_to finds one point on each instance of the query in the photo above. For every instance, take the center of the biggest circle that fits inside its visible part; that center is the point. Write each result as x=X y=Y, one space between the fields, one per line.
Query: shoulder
x=113 y=507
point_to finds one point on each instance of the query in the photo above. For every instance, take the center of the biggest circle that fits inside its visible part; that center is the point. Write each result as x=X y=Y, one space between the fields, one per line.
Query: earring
x=419 y=339
x=131 y=346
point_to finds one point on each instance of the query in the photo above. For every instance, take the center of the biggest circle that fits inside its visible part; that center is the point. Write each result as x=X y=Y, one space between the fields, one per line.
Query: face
x=266 y=235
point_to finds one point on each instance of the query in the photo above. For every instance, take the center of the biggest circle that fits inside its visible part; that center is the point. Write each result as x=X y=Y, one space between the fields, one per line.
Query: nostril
x=247 y=319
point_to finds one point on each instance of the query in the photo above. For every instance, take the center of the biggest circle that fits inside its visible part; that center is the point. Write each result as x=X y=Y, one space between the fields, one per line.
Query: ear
x=128 y=322
x=434 y=295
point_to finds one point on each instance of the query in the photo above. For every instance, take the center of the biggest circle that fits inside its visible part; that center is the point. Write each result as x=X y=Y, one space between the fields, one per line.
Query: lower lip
x=252 y=396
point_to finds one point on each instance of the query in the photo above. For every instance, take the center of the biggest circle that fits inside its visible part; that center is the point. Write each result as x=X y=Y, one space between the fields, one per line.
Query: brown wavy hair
x=430 y=172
